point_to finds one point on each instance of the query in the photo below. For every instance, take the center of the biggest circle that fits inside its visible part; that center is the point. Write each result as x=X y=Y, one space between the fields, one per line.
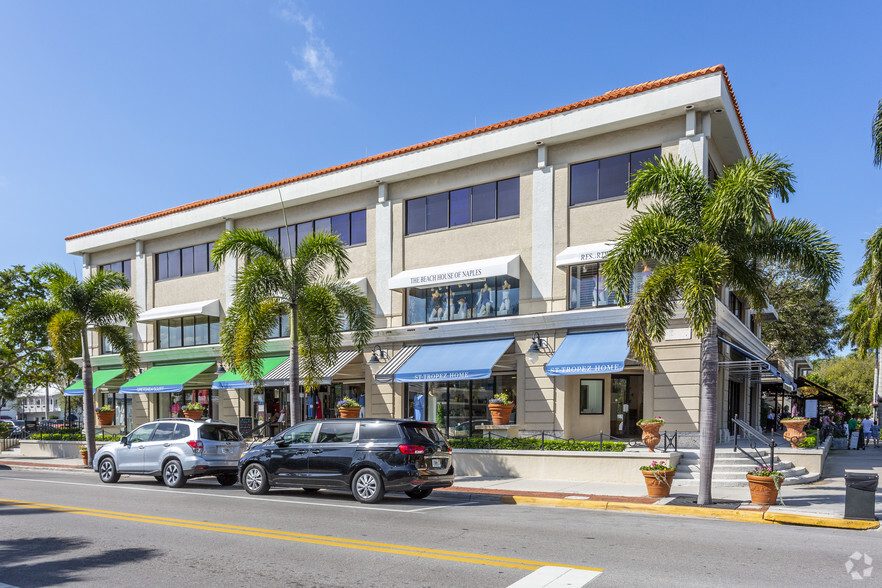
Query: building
x=472 y=248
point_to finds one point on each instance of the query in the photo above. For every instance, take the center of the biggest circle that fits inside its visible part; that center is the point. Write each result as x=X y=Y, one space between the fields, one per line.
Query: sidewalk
x=821 y=503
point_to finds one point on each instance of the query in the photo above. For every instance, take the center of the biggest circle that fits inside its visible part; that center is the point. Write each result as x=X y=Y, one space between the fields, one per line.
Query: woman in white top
x=866 y=429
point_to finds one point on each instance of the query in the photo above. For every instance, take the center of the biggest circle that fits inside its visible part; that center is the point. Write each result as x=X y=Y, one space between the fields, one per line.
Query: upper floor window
x=351 y=227
x=591 y=181
x=187 y=331
x=474 y=204
x=281 y=328
x=121 y=267
x=488 y=298
x=187 y=261
x=107 y=346
x=736 y=306
x=588 y=288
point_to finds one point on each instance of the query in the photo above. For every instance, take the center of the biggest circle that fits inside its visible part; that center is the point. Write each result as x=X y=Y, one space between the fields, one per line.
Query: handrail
x=751 y=432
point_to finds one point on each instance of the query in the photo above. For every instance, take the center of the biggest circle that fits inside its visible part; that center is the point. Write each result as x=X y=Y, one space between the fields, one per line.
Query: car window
x=299 y=433
x=423 y=431
x=218 y=433
x=336 y=432
x=182 y=430
x=377 y=431
x=164 y=432
x=142 y=433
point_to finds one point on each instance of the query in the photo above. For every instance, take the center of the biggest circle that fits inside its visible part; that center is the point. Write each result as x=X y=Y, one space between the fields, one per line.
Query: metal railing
x=753 y=438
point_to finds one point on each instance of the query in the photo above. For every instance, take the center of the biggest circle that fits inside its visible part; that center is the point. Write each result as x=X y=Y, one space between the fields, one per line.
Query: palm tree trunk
x=88 y=397
x=294 y=374
x=707 y=420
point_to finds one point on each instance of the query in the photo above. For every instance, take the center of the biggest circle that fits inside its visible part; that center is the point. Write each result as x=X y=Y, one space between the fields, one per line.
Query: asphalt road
x=66 y=527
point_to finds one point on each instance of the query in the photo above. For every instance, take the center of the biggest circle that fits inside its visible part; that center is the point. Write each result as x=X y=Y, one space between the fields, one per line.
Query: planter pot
x=84 y=453
x=105 y=418
x=763 y=489
x=193 y=414
x=349 y=412
x=658 y=482
x=651 y=438
x=500 y=414
x=794 y=432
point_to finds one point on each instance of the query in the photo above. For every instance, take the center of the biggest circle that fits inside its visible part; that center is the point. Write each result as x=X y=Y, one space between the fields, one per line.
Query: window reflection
x=496 y=296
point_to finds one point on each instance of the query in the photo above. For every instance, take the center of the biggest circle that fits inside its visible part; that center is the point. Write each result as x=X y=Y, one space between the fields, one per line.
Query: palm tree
x=74 y=307
x=270 y=285
x=863 y=323
x=877 y=136
x=703 y=237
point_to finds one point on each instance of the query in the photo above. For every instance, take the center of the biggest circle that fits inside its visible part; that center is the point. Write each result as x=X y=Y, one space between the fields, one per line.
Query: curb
x=744 y=516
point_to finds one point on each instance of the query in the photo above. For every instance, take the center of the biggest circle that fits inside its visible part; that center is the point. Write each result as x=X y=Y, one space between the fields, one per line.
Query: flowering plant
x=193 y=406
x=83 y=448
x=765 y=472
x=348 y=403
x=500 y=398
x=657 y=419
x=105 y=408
x=793 y=418
x=657 y=466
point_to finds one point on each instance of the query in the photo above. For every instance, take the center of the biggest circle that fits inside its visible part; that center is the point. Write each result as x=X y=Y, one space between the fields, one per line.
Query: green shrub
x=5 y=429
x=809 y=442
x=80 y=437
x=533 y=444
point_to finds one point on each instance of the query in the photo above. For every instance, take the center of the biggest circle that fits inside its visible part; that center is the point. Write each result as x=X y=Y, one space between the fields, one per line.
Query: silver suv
x=173 y=450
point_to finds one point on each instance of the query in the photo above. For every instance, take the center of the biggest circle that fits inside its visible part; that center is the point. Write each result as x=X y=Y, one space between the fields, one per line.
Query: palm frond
x=877 y=136
x=247 y=244
x=122 y=341
x=678 y=183
x=699 y=275
x=651 y=310
x=65 y=334
x=317 y=254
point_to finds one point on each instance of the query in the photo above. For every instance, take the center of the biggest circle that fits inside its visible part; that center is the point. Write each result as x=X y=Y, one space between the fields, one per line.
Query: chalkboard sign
x=245 y=426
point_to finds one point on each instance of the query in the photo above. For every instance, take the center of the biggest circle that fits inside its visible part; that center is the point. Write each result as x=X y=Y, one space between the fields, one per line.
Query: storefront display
x=494 y=296
x=457 y=407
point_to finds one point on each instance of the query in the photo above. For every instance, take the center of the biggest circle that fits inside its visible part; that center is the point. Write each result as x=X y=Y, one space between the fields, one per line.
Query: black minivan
x=368 y=457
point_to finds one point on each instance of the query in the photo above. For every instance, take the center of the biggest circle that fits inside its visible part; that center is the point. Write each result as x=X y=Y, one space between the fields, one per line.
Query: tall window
x=184 y=262
x=123 y=267
x=496 y=296
x=609 y=177
x=490 y=201
x=458 y=407
x=736 y=306
x=187 y=331
x=588 y=288
x=591 y=397
x=351 y=227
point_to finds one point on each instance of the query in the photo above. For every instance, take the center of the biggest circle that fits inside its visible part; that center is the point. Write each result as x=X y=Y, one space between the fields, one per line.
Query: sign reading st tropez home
x=457 y=273
x=583 y=253
x=468 y=360
x=590 y=353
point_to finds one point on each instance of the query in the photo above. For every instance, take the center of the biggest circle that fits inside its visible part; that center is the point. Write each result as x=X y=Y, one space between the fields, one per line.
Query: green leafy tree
x=850 y=376
x=702 y=238
x=72 y=308
x=270 y=285
x=863 y=323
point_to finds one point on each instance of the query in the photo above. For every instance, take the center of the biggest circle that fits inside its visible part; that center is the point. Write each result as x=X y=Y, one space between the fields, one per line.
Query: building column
x=383 y=218
x=141 y=285
x=542 y=259
x=231 y=270
x=694 y=145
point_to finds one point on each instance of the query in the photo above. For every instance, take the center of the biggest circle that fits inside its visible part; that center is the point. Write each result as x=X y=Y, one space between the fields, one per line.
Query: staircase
x=731 y=467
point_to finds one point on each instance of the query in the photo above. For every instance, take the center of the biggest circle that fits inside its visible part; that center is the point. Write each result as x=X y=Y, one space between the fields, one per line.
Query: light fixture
x=718 y=110
x=378 y=358
x=220 y=369
x=540 y=142
x=690 y=106
x=539 y=345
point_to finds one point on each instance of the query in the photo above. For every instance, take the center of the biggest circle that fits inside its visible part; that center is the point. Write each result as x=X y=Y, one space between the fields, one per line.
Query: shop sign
x=584 y=254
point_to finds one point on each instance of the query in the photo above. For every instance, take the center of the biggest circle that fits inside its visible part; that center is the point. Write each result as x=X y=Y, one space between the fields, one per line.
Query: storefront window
x=457 y=407
x=591 y=397
x=507 y=297
x=416 y=306
x=485 y=299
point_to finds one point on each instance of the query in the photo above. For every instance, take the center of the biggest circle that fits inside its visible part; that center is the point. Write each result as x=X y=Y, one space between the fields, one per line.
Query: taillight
x=412 y=449
x=196 y=446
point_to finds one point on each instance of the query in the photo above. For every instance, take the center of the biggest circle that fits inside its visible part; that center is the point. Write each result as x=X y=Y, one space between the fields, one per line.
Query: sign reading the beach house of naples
x=457 y=273
x=463 y=275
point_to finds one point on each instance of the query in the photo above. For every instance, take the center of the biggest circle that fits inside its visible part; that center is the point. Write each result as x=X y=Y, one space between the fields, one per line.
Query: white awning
x=360 y=282
x=583 y=253
x=204 y=308
x=457 y=273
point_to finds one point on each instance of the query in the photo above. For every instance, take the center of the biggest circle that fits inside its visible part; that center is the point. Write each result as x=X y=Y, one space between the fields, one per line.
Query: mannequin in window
x=437 y=313
x=484 y=306
x=462 y=310
x=505 y=305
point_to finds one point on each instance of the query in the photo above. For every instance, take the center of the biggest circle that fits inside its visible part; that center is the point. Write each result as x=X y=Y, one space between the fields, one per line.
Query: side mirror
x=124 y=441
x=281 y=442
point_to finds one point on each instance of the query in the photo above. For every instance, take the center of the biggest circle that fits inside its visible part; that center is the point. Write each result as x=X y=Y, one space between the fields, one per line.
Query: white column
x=383 y=216
x=231 y=270
x=542 y=262
x=141 y=285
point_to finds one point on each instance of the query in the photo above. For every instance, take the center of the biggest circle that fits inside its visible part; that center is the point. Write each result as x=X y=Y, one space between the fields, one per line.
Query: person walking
x=874 y=432
x=866 y=431
x=770 y=422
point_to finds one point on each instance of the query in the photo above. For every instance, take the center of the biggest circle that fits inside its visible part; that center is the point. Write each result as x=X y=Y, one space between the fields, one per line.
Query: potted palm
x=764 y=483
x=794 y=429
x=650 y=428
x=348 y=408
x=658 y=477
x=193 y=410
x=105 y=414
x=500 y=407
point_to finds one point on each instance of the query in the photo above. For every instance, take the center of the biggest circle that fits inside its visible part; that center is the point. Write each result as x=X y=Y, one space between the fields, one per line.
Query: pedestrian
x=874 y=432
x=826 y=425
x=866 y=431
x=770 y=422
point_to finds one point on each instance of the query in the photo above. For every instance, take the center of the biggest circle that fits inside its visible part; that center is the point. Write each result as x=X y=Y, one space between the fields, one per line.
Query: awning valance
x=278 y=377
x=203 y=308
x=589 y=353
x=469 y=360
x=171 y=378
x=583 y=253
x=107 y=378
x=457 y=273
x=233 y=379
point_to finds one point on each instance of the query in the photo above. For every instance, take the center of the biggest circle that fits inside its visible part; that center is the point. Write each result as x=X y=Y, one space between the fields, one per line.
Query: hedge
x=533 y=444
x=60 y=437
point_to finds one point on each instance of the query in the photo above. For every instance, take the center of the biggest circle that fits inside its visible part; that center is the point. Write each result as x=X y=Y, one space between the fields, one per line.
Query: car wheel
x=173 y=474
x=107 y=471
x=367 y=486
x=310 y=491
x=159 y=479
x=227 y=479
x=419 y=493
x=254 y=479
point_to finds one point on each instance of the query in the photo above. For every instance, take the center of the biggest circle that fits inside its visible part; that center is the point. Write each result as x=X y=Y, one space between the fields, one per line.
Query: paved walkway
x=822 y=501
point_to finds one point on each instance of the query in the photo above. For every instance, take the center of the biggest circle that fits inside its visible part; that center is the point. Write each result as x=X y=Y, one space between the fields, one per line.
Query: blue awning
x=471 y=360
x=590 y=353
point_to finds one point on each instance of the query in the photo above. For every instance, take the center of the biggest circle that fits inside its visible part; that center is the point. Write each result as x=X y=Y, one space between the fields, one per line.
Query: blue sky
x=111 y=110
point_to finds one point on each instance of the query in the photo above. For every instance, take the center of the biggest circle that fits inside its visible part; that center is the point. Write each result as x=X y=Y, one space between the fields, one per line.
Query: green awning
x=99 y=378
x=233 y=379
x=170 y=378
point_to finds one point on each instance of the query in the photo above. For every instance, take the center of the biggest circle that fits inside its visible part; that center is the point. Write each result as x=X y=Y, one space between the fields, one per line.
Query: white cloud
x=317 y=64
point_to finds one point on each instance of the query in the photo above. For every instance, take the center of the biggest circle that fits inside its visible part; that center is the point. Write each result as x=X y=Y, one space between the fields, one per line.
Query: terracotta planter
x=500 y=414
x=349 y=412
x=651 y=438
x=794 y=432
x=105 y=418
x=193 y=414
x=655 y=487
x=84 y=453
x=763 y=489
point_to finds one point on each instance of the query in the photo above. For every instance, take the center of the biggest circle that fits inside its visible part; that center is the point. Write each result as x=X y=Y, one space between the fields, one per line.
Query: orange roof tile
x=612 y=95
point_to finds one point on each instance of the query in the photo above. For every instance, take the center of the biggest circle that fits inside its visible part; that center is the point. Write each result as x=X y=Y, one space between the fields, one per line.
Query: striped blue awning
x=590 y=353
x=469 y=360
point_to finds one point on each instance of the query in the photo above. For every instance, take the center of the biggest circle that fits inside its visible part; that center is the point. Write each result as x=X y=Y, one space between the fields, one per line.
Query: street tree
x=317 y=305
x=73 y=307
x=702 y=238
x=850 y=376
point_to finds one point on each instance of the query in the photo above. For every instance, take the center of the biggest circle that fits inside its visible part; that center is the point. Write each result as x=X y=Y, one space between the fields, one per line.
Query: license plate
x=436 y=463
x=225 y=450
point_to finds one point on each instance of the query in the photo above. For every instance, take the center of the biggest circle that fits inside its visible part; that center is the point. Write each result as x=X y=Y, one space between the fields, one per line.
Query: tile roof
x=612 y=95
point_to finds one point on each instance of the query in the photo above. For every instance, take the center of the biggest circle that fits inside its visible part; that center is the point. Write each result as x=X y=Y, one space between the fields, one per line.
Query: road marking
x=404 y=510
x=557 y=577
x=457 y=556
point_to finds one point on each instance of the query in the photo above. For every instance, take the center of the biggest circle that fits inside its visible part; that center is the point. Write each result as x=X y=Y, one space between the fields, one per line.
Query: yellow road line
x=458 y=556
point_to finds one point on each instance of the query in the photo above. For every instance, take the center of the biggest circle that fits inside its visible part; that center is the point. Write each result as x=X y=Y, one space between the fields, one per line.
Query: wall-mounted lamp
x=220 y=369
x=539 y=345
x=378 y=358
x=690 y=106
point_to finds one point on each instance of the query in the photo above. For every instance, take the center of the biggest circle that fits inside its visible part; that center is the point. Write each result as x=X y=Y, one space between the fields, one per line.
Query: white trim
x=578 y=254
x=457 y=273
x=204 y=308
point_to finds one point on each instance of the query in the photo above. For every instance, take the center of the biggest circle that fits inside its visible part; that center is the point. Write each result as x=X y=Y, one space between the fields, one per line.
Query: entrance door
x=734 y=404
x=626 y=405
